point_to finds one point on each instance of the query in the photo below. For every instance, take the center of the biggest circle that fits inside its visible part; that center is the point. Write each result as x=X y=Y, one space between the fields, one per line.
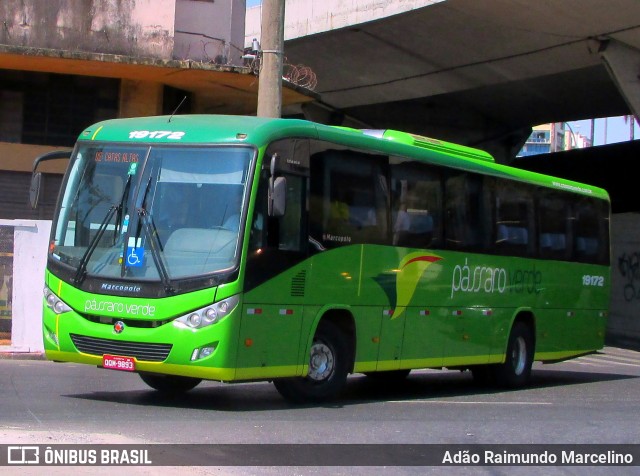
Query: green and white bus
x=234 y=248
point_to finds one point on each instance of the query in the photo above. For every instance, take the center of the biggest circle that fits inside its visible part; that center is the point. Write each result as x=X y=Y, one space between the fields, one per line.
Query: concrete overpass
x=477 y=73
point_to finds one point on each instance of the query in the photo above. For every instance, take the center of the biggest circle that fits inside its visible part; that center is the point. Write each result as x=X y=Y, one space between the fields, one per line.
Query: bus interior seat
x=360 y=216
x=186 y=239
x=420 y=223
x=197 y=240
x=514 y=235
x=586 y=246
x=553 y=241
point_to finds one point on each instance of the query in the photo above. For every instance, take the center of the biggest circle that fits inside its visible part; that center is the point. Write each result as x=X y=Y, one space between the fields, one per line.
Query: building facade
x=65 y=64
x=553 y=137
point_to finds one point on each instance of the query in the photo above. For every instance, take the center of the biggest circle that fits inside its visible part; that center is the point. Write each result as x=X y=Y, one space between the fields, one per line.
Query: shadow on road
x=418 y=386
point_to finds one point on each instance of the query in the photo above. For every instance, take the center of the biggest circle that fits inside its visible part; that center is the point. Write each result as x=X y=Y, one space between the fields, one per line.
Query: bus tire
x=328 y=368
x=516 y=370
x=389 y=375
x=169 y=384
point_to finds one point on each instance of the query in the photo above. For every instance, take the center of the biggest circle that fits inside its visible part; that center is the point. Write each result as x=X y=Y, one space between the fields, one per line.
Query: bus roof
x=259 y=131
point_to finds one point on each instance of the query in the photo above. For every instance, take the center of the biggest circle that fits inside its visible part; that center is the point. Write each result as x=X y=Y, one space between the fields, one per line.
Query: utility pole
x=271 y=61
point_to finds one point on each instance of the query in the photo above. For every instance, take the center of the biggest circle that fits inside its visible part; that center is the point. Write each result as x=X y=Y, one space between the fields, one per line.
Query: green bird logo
x=407 y=276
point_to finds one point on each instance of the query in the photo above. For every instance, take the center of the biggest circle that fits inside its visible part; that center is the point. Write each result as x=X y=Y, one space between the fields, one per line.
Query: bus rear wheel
x=169 y=384
x=516 y=370
x=328 y=368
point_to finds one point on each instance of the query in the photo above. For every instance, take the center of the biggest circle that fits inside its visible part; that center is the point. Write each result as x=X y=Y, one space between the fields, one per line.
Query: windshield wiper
x=152 y=235
x=125 y=193
x=81 y=272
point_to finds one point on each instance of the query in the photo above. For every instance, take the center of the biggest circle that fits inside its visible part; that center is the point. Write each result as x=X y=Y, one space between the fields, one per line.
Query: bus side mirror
x=36 y=177
x=277 y=204
x=34 y=189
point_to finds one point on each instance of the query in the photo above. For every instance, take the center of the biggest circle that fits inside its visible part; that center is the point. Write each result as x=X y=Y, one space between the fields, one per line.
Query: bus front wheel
x=169 y=384
x=328 y=368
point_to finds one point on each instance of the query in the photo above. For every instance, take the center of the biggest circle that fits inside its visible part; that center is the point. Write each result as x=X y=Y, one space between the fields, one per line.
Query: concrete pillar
x=623 y=63
x=140 y=98
x=270 y=77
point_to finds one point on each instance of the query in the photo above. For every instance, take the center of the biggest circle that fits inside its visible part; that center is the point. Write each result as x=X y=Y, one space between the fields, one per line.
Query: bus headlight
x=208 y=315
x=194 y=320
x=54 y=303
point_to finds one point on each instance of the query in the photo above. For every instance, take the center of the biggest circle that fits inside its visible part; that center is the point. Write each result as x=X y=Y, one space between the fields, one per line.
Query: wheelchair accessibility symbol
x=134 y=256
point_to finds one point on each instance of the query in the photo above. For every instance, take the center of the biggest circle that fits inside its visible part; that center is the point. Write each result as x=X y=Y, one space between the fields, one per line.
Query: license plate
x=117 y=362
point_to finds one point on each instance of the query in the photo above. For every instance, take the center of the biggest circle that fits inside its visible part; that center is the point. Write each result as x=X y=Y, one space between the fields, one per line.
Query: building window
x=52 y=109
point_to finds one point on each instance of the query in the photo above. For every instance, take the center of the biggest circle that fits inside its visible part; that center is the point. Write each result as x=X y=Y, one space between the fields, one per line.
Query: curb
x=22 y=356
x=623 y=342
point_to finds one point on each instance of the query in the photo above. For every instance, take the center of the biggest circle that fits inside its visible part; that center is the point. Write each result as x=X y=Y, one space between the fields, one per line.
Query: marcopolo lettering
x=119 y=308
x=125 y=288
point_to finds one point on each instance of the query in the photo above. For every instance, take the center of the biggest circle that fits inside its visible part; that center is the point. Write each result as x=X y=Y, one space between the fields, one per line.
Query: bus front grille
x=139 y=350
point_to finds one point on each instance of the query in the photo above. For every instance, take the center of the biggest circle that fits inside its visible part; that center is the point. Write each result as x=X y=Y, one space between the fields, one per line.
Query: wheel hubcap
x=321 y=362
x=519 y=356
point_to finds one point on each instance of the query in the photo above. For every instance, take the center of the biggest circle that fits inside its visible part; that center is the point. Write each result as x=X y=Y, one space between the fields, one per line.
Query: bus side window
x=416 y=201
x=589 y=232
x=554 y=214
x=291 y=225
x=276 y=243
x=514 y=223
x=284 y=233
x=348 y=199
x=467 y=212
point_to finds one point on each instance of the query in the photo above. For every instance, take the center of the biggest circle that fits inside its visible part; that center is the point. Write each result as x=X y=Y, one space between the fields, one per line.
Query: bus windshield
x=152 y=212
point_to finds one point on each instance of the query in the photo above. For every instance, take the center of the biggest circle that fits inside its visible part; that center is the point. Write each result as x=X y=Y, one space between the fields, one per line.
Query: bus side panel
x=418 y=308
x=425 y=336
x=271 y=327
x=571 y=309
x=339 y=282
x=269 y=340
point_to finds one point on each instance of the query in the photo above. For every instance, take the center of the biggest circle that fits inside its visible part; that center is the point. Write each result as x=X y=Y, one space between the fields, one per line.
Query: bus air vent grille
x=139 y=350
x=298 y=283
